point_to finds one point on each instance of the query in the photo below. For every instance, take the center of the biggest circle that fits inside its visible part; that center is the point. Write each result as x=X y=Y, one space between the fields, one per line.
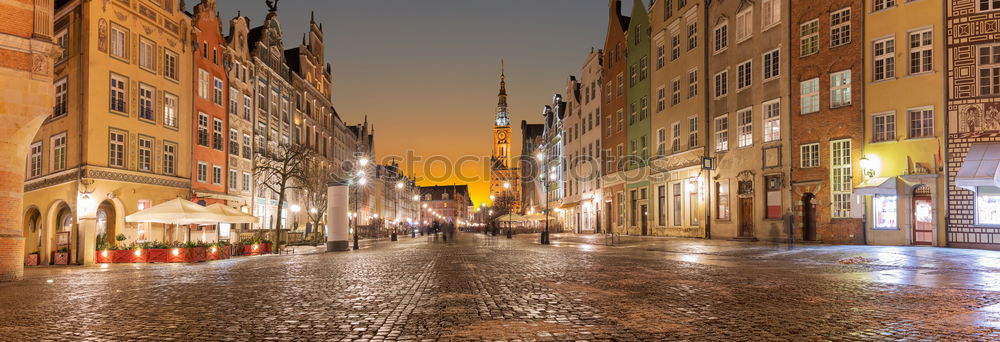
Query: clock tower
x=504 y=185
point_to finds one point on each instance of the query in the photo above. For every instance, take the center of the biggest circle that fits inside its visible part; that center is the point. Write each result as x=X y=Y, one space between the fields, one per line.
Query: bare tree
x=280 y=169
x=317 y=178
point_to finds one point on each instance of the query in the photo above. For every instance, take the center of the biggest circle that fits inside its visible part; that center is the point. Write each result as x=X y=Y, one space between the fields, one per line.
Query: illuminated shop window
x=885 y=212
x=988 y=206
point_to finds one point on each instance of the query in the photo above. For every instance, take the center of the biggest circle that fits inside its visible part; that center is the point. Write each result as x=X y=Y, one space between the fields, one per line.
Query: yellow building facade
x=118 y=138
x=903 y=187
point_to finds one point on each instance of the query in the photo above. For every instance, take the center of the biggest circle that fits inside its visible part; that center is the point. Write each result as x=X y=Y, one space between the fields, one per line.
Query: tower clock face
x=502 y=137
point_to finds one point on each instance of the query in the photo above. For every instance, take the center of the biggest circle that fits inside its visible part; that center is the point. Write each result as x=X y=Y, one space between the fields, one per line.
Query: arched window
x=102 y=222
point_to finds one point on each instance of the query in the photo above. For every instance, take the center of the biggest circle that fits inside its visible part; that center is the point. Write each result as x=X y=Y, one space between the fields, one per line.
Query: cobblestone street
x=475 y=288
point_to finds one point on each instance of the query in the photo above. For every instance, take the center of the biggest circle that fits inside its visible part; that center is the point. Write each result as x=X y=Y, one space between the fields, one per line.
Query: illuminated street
x=476 y=287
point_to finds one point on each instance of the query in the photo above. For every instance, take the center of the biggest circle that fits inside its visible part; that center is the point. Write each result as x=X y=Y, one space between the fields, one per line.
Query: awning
x=569 y=205
x=877 y=186
x=980 y=167
x=511 y=218
x=202 y=194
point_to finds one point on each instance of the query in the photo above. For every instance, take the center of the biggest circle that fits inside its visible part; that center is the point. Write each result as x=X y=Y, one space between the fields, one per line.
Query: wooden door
x=923 y=221
x=746 y=217
x=645 y=219
x=808 y=218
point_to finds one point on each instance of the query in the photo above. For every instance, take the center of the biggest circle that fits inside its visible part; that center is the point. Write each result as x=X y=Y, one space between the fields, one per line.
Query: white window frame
x=217 y=86
x=772 y=120
x=988 y=65
x=841 y=186
x=809 y=96
x=884 y=126
x=744 y=25
x=692 y=83
x=35 y=160
x=117 y=146
x=61 y=106
x=169 y=158
x=57 y=146
x=809 y=38
x=202 y=172
x=692 y=131
x=217 y=175
x=233 y=180
x=246 y=182
x=204 y=84
x=720 y=36
x=721 y=127
x=170 y=110
x=170 y=64
x=771 y=64
x=147 y=53
x=840 y=27
x=661 y=99
x=925 y=121
x=661 y=141
x=921 y=55
x=840 y=89
x=118 y=93
x=675 y=91
x=218 y=135
x=744 y=75
x=721 y=80
x=147 y=102
x=675 y=137
x=770 y=15
x=144 y=155
x=744 y=127
x=881 y=5
x=118 y=42
x=203 y=130
x=809 y=156
x=886 y=60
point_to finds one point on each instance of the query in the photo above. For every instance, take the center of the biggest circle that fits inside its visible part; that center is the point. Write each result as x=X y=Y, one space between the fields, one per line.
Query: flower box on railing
x=32 y=259
x=103 y=257
x=139 y=255
x=158 y=255
x=196 y=254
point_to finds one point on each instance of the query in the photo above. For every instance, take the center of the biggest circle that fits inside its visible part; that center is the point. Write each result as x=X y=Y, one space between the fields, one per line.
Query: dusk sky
x=426 y=72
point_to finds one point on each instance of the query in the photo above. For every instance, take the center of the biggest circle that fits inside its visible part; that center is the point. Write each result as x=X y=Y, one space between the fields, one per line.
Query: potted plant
x=61 y=256
x=120 y=238
x=32 y=259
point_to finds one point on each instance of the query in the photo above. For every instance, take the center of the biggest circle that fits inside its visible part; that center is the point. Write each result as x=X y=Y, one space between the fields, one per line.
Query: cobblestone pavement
x=479 y=288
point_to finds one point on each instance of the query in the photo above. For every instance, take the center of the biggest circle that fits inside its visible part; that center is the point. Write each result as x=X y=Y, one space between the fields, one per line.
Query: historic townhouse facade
x=589 y=171
x=678 y=185
x=241 y=115
x=902 y=165
x=973 y=103
x=273 y=103
x=827 y=118
x=553 y=161
x=209 y=155
x=570 y=211
x=614 y=136
x=749 y=111
x=313 y=123
x=532 y=188
x=638 y=113
x=118 y=138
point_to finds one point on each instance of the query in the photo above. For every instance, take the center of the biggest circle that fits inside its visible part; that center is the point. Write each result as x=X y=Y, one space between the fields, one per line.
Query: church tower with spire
x=504 y=185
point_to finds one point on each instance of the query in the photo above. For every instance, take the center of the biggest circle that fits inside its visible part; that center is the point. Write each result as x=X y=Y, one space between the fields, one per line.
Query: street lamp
x=510 y=210
x=545 y=235
x=360 y=181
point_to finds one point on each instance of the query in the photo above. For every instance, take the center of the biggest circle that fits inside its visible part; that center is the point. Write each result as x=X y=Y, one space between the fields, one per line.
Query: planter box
x=60 y=258
x=177 y=254
x=32 y=260
x=121 y=256
x=217 y=253
x=265 y=248
x=139 y=255
x=158 y=255
x=252 y=249
x=104 y=257
x=197 y=254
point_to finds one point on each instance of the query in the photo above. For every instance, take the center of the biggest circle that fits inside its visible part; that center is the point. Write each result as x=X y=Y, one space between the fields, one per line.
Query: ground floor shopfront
x=64 y=213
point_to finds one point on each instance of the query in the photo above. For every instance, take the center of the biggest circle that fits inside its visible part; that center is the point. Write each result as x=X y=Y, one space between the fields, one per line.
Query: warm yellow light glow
x=176 y=252
x=138 y=252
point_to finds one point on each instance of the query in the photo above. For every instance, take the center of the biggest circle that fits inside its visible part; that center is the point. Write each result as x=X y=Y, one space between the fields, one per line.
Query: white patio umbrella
x=511 y=218
x=177 y=211
x=231 y=215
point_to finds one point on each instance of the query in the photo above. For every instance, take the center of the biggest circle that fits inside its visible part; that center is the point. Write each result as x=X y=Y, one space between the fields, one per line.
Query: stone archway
x=32 y=231
x=26 y=82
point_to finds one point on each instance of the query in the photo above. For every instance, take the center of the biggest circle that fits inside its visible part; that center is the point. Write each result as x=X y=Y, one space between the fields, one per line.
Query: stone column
x=337 y=224
x=26 y=98
x=87 y=241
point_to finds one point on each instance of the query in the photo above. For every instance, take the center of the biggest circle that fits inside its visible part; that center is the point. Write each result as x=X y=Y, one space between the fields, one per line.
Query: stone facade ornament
x=102 y=35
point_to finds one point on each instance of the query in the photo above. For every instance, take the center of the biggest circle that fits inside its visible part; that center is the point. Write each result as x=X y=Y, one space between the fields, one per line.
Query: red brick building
x=614 y=133
x=827 y=120
x=210 y=144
